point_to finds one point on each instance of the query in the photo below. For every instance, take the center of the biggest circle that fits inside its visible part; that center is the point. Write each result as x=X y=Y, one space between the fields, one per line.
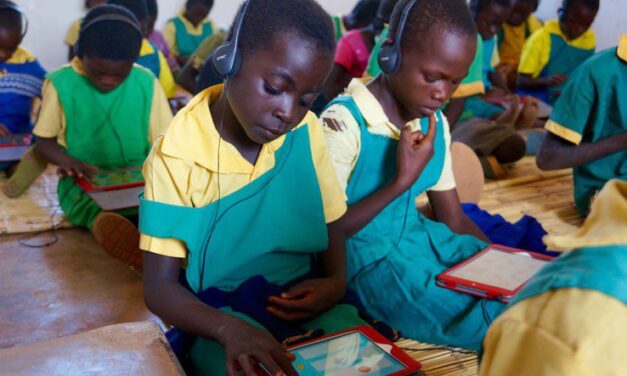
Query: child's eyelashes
x=430 y=79
x=271 y=89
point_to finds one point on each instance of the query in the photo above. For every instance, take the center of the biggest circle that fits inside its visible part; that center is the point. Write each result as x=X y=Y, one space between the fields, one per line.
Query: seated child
x=361 y=16
x=553 y=53
x=101 y=112
x=72 y=34
x=149 y=55
x=21 y=77
x=513 y=34
x=571 y=318
x=191 y=72
x=241 y=187
x=384 y=160
x=185 y=32
x=156 y=37
x=588 y=127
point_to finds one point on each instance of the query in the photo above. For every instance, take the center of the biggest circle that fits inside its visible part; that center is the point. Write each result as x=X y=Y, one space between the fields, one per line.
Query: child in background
x=156 y=37
x=242 y=188
x=513 y=34
x=72 y=34
x=189 y=29
x=361 y=16
x=21 y=77
x=588 y=127
x=553 y=53
x=101 y=112
x=190 y=76
x=149 y=55
x=385 y=158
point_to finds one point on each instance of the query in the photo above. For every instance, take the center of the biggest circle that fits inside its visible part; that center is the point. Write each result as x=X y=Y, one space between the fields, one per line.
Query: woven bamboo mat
x=36 y=210
x=437 y=361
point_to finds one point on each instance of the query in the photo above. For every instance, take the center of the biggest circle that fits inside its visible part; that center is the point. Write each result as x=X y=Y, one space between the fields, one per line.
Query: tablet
x=13 y=147
x=354 y=352
x=497 y=272
x=115 y=189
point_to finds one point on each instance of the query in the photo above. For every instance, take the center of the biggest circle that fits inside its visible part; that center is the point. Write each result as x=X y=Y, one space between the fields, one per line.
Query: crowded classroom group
x=281 y=160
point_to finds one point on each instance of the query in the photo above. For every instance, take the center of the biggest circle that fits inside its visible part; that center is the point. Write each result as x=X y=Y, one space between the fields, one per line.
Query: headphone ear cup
x=389 y=59
x=223 y=60
x=560 y=15
x=237 y=63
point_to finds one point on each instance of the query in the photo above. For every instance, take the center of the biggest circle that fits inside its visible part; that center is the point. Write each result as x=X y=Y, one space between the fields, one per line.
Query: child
x=361 y=16
x=149 y=55
x=156 y=37
x=185 y=32
x=101 y=112
x=553 y=53
x=571 y=318
x=520 y=25
x=21 y=76
x=241 y=186
x=588 y=127
x=392 y=247
x=191 y=74
x=72 y=34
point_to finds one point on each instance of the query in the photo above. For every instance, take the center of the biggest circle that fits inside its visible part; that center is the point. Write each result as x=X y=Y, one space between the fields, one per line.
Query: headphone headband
x=390 y=56
x=226 y=58
x=113 y=17
x=16 y=8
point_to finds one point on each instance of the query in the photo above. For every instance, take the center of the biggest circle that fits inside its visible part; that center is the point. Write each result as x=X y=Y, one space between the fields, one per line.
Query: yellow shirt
x=166 y=79
x=182 y=168
x=21 y=56
x=514 y=38
x=345 y=145
x=52 y=124
x=537 y=49
x=169 y=32
x=568 y=331
x=72 y=34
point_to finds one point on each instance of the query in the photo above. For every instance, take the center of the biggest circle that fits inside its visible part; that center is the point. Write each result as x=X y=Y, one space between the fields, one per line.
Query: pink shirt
x=352 y=53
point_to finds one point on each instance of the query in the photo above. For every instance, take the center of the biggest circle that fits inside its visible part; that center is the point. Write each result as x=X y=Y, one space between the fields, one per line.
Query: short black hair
x=153 y=8
x=10 y=19
x=207 y=3
x=427 y=16
x=476 y=6
x=265 y=19
x=110 y=39
x=365 y=11
x=137 y=7
x=590 y=4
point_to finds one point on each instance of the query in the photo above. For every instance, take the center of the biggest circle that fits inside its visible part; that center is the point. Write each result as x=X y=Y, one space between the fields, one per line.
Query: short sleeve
x=51 y=119
x=160 y=113
x=344 y=143
x=333 y=196
x=535 y=54
x=169 y=34
x=572 y=111
x=72 y=35
x=447 y=179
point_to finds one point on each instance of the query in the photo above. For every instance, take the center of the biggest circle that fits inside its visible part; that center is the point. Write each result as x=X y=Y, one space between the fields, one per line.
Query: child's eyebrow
x=285 y=77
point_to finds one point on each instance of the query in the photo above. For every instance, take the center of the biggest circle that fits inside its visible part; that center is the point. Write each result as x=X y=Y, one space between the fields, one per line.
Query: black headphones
x=128 y=18
x=389 y=57
x=14 y=7
x=226 y=59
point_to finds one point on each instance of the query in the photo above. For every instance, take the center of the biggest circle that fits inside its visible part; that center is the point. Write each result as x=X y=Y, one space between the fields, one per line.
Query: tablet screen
x=352 y=354
x=113 y=178
x=505 y=270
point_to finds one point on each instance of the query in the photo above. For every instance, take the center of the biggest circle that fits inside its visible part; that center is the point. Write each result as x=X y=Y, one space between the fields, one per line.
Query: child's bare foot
x=492 y=169
x=119 y=238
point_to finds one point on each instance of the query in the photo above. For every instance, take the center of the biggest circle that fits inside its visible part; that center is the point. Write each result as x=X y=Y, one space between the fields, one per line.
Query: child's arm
x=68 y=166
x=244 y=344
x=454 y=110
x=557 y=153
x=448 y=210
x=526 y=81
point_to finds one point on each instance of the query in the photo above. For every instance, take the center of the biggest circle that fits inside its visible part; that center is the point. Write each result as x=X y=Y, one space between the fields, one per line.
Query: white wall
x=50 y=19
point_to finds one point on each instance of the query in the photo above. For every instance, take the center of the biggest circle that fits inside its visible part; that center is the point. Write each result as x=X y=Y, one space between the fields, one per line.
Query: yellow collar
x=587 y=41
x=146 y=48
x=622 y=48
x=192 y=136
x=77 y=65
x=21 y=56
x=191 y=29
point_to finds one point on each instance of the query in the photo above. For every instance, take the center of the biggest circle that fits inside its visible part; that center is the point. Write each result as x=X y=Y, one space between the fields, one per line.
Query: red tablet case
x=14 y=147
x=481 y=290
x=114 y=197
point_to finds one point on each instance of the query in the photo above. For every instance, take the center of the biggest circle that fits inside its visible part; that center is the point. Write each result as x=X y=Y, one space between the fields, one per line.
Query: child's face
x=274 y=89
x=520 y=12
x=9 y=42
x=490 y=19
x=577 y=20
x=105 y=74
x=197 y=12
x=431 y=72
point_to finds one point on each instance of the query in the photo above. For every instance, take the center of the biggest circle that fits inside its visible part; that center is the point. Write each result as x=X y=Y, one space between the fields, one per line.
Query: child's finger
x=296 y=291
x=432 y=128
x=247 y=366
x=291 y=304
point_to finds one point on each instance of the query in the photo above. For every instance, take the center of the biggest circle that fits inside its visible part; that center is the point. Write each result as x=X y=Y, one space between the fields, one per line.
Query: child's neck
x=393 y=109
x=230 y=130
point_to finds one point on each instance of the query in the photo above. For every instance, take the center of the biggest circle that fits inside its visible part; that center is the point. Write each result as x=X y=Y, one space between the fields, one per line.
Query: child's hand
x=74 y=167
x=556 y=79
x=247 y=346
x=4 y=131
x=307 y=300
x=415 y=150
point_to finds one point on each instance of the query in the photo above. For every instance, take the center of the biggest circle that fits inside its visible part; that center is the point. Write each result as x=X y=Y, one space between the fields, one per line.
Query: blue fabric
x=19 y=84
x=526 y=233
x=151 y=61
x=488 y=50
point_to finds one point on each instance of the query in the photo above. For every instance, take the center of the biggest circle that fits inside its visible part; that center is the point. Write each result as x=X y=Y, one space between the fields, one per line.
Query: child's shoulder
x=22 y=56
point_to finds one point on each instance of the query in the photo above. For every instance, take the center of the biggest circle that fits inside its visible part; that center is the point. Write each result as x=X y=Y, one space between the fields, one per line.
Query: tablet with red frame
x=115 y=189
x=13 y=147
x=497 y=272
x=353 y=352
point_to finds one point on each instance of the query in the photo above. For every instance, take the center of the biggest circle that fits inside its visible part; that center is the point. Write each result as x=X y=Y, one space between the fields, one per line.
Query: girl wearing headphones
x=390 y=143
x=242 y=191
x=101 y=112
